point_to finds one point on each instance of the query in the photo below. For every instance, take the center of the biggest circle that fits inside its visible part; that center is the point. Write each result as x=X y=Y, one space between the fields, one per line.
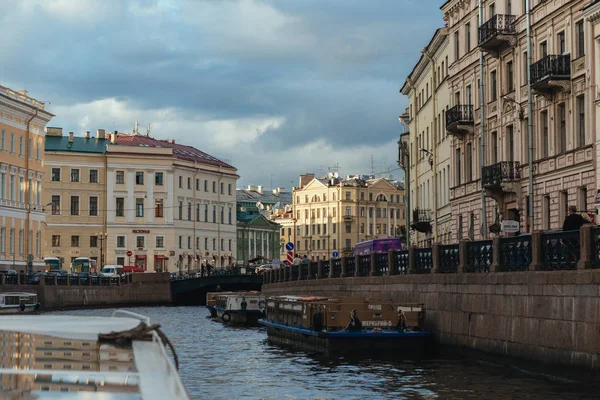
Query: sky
x=276 y=88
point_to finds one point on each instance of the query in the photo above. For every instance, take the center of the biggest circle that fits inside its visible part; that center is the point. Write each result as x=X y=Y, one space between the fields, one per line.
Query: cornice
x=592 y=12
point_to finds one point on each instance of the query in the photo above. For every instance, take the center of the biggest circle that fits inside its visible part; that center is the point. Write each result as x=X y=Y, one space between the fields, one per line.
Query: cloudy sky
x=278 y=88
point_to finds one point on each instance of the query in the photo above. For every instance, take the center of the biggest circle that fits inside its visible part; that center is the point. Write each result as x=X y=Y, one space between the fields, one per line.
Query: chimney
x=113 y=137
x=260 y=189
x=100 y=134
x=53 y=131
x=305 y=179
x=70 y=137
x=87 y=134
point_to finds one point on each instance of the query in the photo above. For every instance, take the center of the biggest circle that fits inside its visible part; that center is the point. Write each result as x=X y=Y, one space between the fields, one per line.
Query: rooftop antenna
x=136 y=128
x=372 y=165
x=335 y=167
x=148 y=131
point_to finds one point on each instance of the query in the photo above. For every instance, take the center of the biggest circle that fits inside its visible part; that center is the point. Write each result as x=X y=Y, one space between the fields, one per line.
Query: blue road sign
x=335 y=254
x=289 y=246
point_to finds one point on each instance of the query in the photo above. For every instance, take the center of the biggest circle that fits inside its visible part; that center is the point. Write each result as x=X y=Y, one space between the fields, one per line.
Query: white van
x=112 y=270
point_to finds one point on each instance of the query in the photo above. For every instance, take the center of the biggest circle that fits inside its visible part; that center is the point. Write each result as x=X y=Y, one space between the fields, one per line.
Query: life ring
x=22 y=306
x=226 y=317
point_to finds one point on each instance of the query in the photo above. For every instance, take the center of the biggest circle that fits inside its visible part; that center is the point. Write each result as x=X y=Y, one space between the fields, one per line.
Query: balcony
x=459 y=120
x=348 y=217
x=421 y=220
x=551 y=73
x=497 y=33
x=500 y=179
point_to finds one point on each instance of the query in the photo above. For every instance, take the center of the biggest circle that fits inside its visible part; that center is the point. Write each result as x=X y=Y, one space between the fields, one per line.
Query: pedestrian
x=573 y=221
x=202 y=268
x=354 y=325
x=305 y=260
x=208 y=269
x=297 y=260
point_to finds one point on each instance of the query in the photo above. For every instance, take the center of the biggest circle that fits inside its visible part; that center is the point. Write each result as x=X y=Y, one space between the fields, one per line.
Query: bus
x=377 y=246
x=52 y=264
x=83 y=265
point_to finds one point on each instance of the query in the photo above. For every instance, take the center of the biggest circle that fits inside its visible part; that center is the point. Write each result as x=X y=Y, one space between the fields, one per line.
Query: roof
x=268 y=198
x=432 y=47
x=182 y=152
x=79 y=144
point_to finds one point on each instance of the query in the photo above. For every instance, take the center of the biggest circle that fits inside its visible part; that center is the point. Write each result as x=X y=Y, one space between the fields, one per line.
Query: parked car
x=8 y=272
x=112 y=270
x=34 y=279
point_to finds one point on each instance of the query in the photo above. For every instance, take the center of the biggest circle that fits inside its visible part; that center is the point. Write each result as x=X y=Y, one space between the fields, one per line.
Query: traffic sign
x=335 y=254
x=129 y=253
x=289 y=246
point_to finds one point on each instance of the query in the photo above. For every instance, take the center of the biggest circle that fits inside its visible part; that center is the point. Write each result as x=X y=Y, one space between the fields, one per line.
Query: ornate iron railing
x=459 y=113
x=49 y=279
x=11 y=279
x=422 y=215
x=73 y=280
x=480 y=256
x=294 y=272
x=104 y=281
x=94 y=280
x=423 y=260
x=325 y=269
x=336 y=267
x=499 y=24
x=515 y=253
x=364 y=265
x=350 y=267
x=62 y=280
x=596 y=246
x=314 y=270
x=381 y=264
x=401 y=262
x=551 y=67
x=448 y=259
x=560 y=250
x=504 y=171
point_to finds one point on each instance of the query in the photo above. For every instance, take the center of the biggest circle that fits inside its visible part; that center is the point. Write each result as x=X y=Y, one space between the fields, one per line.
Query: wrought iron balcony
x=421 y=220
x=459 y=119
x=498 y=32
x=348 y=217
x=504 y=171
x=553 y=71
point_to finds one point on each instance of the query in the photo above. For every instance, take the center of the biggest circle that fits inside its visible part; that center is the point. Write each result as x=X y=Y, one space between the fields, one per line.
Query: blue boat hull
x=394 y=344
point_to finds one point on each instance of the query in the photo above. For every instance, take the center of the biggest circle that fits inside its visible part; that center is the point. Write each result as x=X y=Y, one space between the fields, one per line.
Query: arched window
x=381 y=197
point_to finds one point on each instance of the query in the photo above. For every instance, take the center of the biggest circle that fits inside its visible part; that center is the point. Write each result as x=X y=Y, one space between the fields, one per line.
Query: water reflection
x=220 y=362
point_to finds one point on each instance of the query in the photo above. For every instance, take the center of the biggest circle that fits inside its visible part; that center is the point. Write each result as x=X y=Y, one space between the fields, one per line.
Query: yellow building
x=22 y=122
x=333 y=214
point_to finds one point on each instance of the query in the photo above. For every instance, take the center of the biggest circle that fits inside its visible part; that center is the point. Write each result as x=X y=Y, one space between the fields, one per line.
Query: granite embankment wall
x=145 y=289
x=552 y=317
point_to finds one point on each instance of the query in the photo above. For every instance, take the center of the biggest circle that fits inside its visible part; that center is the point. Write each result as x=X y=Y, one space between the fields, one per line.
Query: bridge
x=193 y=291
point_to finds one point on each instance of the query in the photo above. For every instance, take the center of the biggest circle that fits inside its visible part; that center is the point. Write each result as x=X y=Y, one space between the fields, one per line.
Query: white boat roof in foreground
x=49 y=357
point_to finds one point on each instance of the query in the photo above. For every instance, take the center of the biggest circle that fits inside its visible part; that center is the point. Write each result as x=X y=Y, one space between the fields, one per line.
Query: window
x=493 y=86
x=222 y=244
x=510 y=138
x=334 y=226
x=545 y=137
x=546 y=212
x=12 y=142
x=460 y=227
x=93 y=205
x=580 y=120
x=139 y=177
x=580 y=37
x=563 y=205
x=543 y=49
x=120 y=177
x=222 y=219
x=348 y=227
x=55 y=205
x=494 y=143
x=21 y=145
x=206 y=243
x=230 y=245
x=74 y=241
x=189 y=211
x=508 y=7
x=197 y=184
x=229 y=189
x=55 y=174
x=189 y=183
x=38 y=151
x=181 y=182
x=120 y=207
x=222 y=188
x=214 y=187
x=469 y=163
x=510 y=84
x=93 y=176
x=525 y=69
x=74 y=175
x=55 y=240
x=582 y=198
x=214 y=244
x=229 y=217
x=560 y=42
x=197 y=212
x=74 y=205
x=158 y=178
x=458 y=168
x=140 y=241
x=214 y=214
x=206 y=186
x=456 y=46
x=181 y=242
x=468 y=37
x=121 y=241
x=158 y=208
x=93 y=241
x=189 y=242
x=206 y=213
x=3 y=141
x=139 y=207
x=562 y=127
x=180 y=210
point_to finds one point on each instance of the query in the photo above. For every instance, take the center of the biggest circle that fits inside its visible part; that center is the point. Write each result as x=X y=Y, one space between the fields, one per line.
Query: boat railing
x=141 y=317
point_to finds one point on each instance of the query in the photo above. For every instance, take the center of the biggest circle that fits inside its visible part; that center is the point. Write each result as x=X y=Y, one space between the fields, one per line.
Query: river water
x=220 y=362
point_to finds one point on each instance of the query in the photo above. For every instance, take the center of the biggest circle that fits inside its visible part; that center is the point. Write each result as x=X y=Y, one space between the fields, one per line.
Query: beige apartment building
x=563 y=159
x=22 y=122
x=333 y=214
x=154 y=204
x=429 y=146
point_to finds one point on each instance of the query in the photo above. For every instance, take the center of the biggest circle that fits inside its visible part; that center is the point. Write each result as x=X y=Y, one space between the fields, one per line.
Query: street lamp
x=101 y=237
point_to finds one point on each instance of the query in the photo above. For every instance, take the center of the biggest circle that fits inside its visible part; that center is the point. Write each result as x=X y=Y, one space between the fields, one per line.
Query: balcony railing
x=551 y=67
x=421 y=220
x=348 y=217
x=459 y=119
x=504 y=171
x=498 y=25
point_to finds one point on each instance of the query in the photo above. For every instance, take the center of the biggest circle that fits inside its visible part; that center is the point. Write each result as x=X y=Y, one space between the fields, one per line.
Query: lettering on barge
x=376 y=323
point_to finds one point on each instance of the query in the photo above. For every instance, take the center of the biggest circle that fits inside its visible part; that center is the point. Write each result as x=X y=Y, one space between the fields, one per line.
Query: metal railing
x=336 y=267
x=449 y=259
x=325 y=268
x=459 y=113
x=423 y=260
x=551 y=67
x=499 y=24
x=480 y=256
x=381 y=264
x=504 y=171
x=515 y=253
x=560 y=250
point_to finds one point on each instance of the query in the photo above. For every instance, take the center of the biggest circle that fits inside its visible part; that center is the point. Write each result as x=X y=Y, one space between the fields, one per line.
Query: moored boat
x=18 y=302
x=239 y=308
x=347 y=326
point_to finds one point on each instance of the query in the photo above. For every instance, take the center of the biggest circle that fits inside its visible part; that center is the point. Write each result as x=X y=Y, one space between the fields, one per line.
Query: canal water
x=220 y=362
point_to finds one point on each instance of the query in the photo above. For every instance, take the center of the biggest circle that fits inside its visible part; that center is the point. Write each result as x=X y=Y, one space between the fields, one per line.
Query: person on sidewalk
x=573 y=221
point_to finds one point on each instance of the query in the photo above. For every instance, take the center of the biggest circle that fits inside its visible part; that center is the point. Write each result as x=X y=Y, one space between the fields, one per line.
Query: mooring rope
x=140 y=332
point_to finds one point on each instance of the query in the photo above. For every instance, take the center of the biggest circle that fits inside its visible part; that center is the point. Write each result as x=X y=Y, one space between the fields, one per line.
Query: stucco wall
x=548 y=317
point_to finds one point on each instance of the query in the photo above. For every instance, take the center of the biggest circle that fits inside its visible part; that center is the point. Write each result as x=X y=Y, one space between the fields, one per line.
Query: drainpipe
x=482 y=139
x=195 y=217
x=529 y=118
x=27 y=188
x=434 y=147
x=105 y=221
x=410 y=160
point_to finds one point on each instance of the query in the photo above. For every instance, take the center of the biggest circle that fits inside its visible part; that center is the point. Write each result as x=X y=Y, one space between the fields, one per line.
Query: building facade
x=332 y=214
x=22 y=123
x=429 y=146
x=563 y=159
x=167 y=206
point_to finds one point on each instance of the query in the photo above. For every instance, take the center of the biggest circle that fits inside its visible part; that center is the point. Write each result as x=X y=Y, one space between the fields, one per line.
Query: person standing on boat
x=243 y=304
x=354 y=325
x=202 y=269
x=401 y=326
